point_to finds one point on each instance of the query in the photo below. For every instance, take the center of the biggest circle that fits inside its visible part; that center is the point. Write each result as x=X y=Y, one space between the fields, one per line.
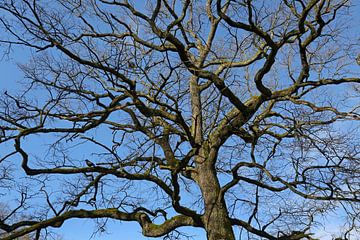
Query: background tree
x=220 y=115
x=4 y=215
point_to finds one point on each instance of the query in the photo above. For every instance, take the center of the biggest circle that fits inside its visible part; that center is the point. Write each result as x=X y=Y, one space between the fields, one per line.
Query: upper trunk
x=215 y=219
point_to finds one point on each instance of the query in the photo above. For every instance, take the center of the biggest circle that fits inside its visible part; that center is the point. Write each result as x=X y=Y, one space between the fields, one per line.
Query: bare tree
x=222 y=115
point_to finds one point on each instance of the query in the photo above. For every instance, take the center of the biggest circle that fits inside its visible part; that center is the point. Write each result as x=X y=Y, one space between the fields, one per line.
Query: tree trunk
x=217 y=223
x=216 y=220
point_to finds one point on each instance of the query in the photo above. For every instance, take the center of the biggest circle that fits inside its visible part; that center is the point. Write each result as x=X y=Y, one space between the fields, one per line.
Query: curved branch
x=148 y=227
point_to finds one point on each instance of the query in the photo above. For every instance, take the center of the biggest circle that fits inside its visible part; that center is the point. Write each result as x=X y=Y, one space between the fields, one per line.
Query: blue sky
x=83 y=229
x=74 y=229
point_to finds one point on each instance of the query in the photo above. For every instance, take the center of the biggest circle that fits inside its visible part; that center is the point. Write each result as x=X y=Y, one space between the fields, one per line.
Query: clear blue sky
x=82 y=229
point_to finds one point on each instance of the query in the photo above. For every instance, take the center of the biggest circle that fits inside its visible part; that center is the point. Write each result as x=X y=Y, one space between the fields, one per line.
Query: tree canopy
x=224 y=115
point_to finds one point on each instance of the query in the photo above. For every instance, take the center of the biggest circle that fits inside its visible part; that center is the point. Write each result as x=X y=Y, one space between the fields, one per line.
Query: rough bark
x=215 y=219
